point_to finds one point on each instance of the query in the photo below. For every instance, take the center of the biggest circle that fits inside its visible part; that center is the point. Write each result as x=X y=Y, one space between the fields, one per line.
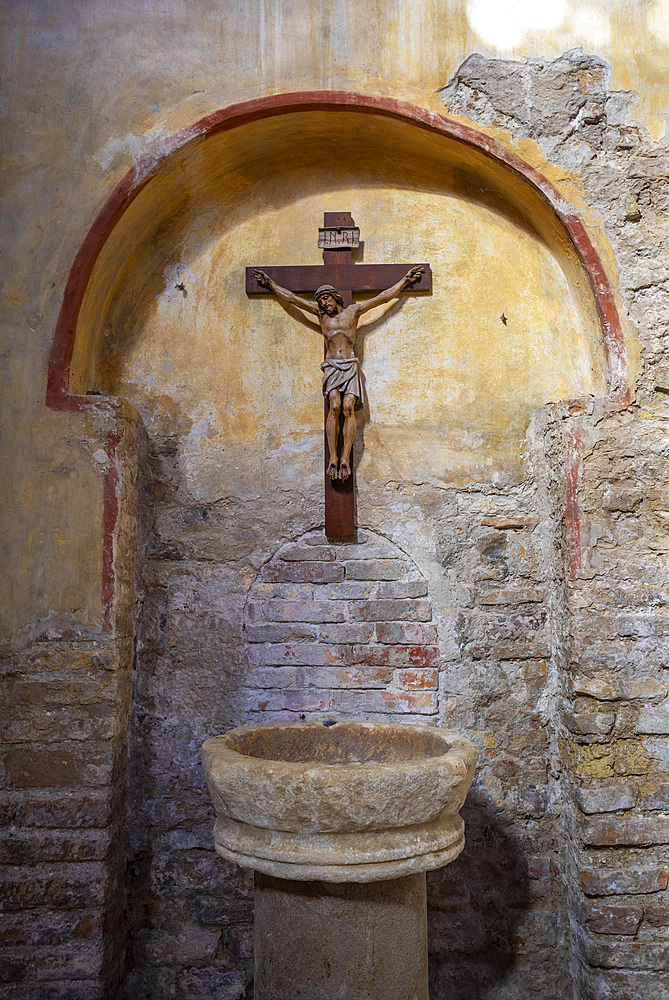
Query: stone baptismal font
x=339 y=821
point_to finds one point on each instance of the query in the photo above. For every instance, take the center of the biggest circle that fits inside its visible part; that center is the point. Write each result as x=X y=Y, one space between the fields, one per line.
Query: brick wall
x=64 y=743
x=341 y=631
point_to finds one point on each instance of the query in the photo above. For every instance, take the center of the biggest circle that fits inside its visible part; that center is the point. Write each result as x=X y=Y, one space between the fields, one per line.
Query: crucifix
x=333 y=284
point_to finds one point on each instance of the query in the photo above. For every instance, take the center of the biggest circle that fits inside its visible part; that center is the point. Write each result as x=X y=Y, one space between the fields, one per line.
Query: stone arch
x=340 y=630
x=59 y=395
x=68 y=394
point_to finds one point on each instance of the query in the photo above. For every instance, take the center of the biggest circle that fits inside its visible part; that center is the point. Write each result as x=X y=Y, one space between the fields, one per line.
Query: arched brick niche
x=341 y=630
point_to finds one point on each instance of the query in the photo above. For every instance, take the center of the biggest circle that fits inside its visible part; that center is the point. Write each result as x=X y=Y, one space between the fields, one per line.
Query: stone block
x=349 y=590
x=511 y=651
x=627 y=954
x=657 y=916
x=654 y=794
x=80 y=989
x=623 y=920
x=654 y=719
x=46 y=808
x=633 y=831
x=40 y=927
x=605 y=984
x=308 y=553
x=31 y=847
x=607 y=686
x=75 y=887
x=60 y=765
x=66 y=722
x=610 y=796
x=508 y=595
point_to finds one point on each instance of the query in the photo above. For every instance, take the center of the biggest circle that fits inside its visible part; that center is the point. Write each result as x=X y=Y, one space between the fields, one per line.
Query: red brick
x=348 y=677
x=409 y=633
x=613 y=919
x=388 y=702
x=349 y=590
x=394 y=656
x=358 y=632
x=304 y=572
x=59 y=765
x=273 y=677
x=387 y=611
x=309 y=553
x=623 y=881
x=635 y=831
x=297 y=653
x=262 y=612
x=375 y=569
x=287 y=701
x=657 y=916
x=417 y=679
x=291 y=632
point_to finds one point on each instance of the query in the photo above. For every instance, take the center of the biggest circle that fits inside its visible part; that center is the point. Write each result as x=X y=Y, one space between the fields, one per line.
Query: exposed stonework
x=561 y=682
x=615 y=712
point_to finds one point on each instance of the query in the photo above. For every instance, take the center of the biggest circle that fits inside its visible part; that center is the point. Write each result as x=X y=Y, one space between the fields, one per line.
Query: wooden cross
x=338 y=239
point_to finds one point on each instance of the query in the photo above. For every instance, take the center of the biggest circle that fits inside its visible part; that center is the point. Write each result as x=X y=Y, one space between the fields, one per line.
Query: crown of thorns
x=329 y=290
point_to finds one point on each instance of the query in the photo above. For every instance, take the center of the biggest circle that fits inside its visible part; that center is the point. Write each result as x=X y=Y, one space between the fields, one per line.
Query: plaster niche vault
x=212 y=402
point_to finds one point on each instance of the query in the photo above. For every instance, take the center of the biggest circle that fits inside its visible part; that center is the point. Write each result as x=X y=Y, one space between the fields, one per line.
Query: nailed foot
x=333 y=471
x=344 y=469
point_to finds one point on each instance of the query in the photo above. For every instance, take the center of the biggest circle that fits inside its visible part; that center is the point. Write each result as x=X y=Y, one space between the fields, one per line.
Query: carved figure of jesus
x=342 y=382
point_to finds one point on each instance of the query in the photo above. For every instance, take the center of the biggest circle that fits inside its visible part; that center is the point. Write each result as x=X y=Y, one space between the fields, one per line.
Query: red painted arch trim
x=58 y=396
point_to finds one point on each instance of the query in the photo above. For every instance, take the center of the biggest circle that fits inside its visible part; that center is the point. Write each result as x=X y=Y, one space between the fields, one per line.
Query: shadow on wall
x=474 y=908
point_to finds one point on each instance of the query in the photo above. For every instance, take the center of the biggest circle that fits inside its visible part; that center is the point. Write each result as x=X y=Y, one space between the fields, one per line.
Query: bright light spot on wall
x=503 y=23
x=592 y=26
x=658 y=20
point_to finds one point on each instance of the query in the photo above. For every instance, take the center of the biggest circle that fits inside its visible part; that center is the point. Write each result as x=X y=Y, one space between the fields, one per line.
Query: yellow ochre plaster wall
x=89 y=87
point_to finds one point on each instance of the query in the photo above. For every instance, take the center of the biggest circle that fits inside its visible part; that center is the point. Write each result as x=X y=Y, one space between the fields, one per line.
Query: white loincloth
x=343 y=374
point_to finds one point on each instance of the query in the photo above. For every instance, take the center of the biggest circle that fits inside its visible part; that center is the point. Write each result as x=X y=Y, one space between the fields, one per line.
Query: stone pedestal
x=340 y=941
x=340 y=823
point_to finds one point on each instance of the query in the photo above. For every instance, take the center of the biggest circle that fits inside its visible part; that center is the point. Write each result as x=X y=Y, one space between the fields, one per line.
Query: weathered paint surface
x=451 y=387
x=530 y=662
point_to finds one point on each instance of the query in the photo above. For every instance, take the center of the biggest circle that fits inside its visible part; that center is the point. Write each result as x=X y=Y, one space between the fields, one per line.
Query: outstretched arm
x=410 y=278
x=284 y=293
